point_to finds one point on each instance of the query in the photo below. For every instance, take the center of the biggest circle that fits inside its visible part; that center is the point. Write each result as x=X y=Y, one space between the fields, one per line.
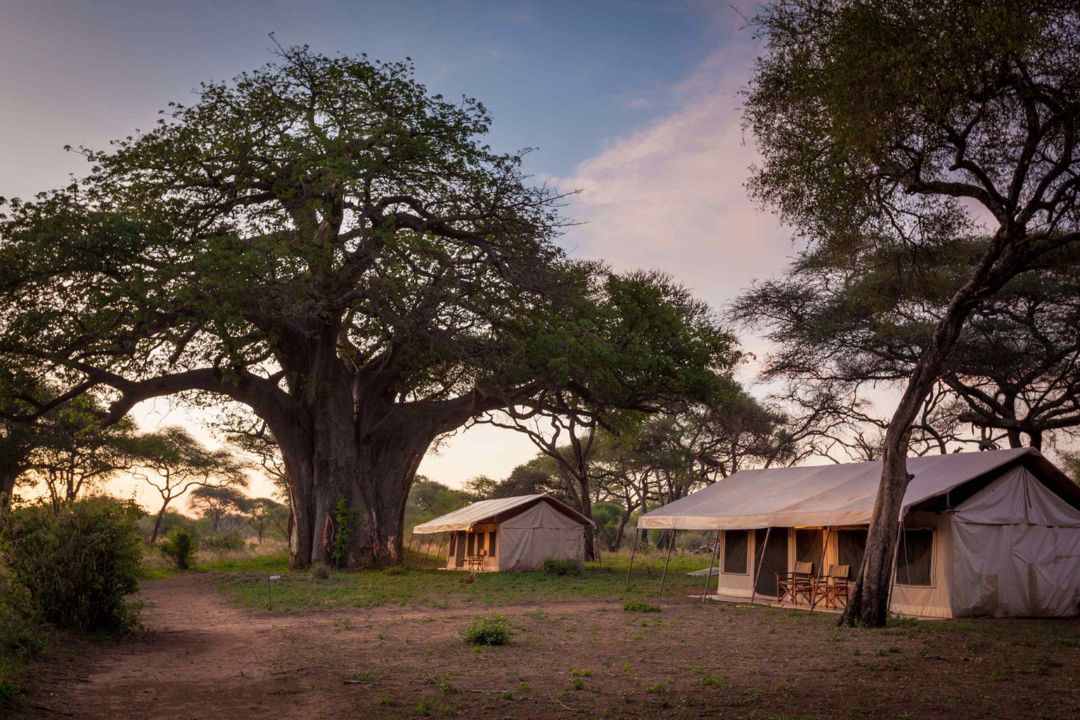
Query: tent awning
x=823 y=495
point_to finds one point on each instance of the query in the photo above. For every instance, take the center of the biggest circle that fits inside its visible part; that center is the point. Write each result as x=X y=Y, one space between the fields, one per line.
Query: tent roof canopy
x=835 y=495
x=492 y=511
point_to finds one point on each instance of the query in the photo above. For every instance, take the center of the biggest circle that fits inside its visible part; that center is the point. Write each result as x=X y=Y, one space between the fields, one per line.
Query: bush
x=180 y=546
x=562 y=567
x=488 y=630
x=80 y=566
x=224 y=542
x=22 y=634
x=640 y=607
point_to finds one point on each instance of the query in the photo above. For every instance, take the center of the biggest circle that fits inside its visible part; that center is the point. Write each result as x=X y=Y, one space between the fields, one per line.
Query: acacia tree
x=891 y=124
x=216 y=502
x=178 y=463
x=325 y=243
x=74 y=452
x=1013 y=373
x=645 y=343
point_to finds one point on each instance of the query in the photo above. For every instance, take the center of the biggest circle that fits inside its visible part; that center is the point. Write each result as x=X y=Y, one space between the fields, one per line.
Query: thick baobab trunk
x=371 y=473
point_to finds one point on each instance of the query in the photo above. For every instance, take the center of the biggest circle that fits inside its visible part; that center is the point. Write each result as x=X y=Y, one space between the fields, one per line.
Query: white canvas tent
x=991 y=533
x=516 y=533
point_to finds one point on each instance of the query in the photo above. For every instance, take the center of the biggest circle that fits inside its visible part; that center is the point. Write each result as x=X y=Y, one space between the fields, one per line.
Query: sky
x=633 y=104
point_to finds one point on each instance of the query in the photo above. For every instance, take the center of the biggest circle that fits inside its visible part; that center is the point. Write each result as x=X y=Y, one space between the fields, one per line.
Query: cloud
x=672 y=196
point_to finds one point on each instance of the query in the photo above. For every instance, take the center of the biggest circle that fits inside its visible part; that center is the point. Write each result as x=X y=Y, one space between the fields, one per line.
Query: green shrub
x=180 y=546
x=22 y=634
x=562 y=567
x=80 y=566
x=345 y=519
x=488 y=630
x=634 y=606
x=230 y=540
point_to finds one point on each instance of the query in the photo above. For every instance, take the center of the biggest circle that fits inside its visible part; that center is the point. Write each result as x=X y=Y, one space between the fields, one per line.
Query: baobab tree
x=322 y=241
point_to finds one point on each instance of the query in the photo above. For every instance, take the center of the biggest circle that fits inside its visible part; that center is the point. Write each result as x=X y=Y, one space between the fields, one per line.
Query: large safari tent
x=990 y=533
x=515 y=533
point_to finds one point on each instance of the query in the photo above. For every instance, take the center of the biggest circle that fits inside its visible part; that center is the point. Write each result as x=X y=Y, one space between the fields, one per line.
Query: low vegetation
x=75 y=570
x=488 y=630
x=180 y=546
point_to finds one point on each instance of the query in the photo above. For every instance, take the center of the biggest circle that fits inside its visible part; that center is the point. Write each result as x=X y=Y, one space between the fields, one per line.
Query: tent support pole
x=633 y=552
x=442 y=542
x=895 y=554
x=817 y=575
x=412 y=539
x=712 y=561
x=761 y=561
x=667 y=559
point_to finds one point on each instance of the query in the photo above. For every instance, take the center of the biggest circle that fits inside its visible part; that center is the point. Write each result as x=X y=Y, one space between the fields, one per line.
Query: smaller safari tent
x=989 y=533
x=506 y=534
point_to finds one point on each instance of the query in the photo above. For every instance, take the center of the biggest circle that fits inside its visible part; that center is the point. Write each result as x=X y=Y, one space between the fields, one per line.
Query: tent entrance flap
x=772 y=550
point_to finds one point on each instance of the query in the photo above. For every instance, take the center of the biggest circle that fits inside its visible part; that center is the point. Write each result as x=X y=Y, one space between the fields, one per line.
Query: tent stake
x=667 y=559
x=817 y=577
x=637 y=537
x=761 y=561
x=712 y=561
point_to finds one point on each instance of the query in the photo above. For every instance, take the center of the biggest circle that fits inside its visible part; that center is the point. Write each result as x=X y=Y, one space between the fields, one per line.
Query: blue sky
x=635 y=104
x=565 y=77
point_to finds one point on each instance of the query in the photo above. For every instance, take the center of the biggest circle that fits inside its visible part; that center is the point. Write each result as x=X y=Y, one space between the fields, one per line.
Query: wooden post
x=712 y=561
x=761 y=561
x=817 y=578
x=633 y=551
x=667 y=559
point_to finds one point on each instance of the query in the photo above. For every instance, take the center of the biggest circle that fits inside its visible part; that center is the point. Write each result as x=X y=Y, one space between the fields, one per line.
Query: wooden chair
x=834 y=586
x=798 y=583
x=475 y=563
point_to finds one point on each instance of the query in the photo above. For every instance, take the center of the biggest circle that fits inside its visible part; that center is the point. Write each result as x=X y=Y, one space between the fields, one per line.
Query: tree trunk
x=869 y=601
x=590 y=533
x=157 y=522
x=372 y=473
x=8 y=476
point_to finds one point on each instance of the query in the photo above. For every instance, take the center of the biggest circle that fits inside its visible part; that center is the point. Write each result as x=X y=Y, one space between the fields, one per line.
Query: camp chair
x=475 y=563
x=798 y=583
x=834 y=586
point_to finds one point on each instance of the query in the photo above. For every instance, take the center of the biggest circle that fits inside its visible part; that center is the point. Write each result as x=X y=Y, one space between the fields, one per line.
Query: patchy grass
x=245 y=579
x=488 y=630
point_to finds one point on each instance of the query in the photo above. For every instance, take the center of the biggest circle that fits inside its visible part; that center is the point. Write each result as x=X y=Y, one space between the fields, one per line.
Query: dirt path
x=202 y=659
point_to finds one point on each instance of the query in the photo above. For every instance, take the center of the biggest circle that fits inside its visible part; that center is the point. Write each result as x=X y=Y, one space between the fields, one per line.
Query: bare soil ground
x=202 y=657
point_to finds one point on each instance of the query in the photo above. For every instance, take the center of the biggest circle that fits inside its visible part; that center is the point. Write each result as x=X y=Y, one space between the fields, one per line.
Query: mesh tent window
x=914 y=557
x=735 y=551
x=491 y=542
x=851 y=545
x=808 y=546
